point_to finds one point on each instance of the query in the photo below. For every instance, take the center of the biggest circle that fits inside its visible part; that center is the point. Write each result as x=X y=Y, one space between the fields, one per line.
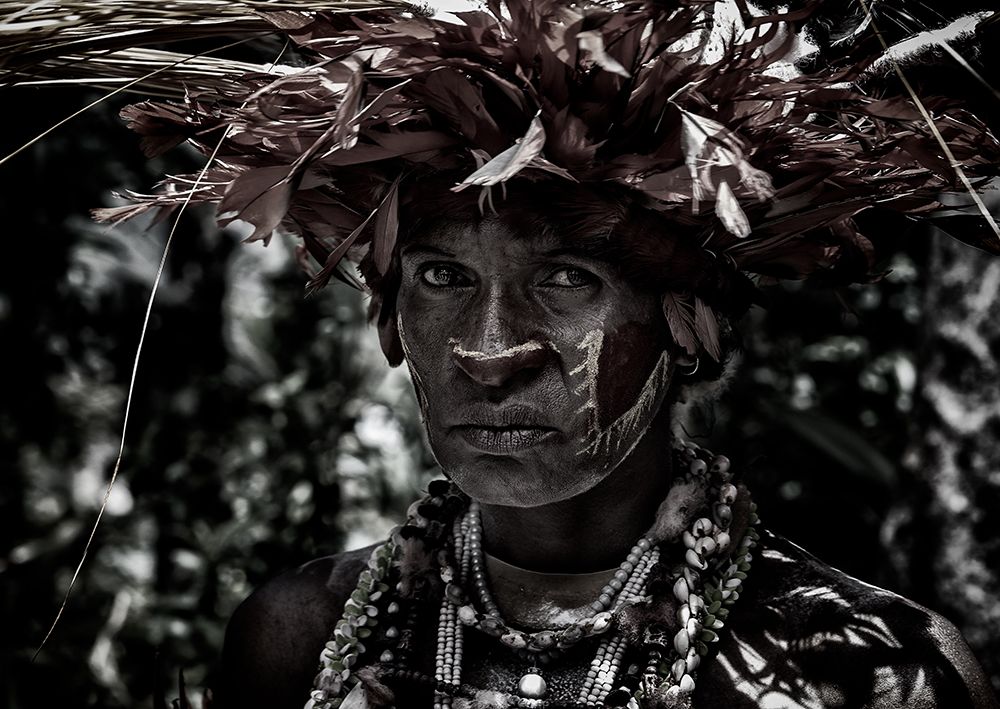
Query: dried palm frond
x=97 y=41
x=168 y=73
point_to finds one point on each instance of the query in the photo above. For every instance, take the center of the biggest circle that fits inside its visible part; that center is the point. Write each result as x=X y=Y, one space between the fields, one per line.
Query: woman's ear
x=684 y=365
x=388 y=333
x=683 y=361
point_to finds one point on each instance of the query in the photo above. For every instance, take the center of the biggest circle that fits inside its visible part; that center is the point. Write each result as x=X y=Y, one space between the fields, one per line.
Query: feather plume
x=706 y=328
x=681 y=321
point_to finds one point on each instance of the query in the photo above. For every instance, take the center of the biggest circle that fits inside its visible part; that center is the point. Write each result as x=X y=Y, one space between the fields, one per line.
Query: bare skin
x=579 y=535
x=518 y=331
x=804 y=636
x=542 y=379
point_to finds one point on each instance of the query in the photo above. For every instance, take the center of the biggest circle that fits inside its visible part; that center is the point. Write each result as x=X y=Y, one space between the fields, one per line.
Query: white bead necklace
x=625 y=586
x=672 y=658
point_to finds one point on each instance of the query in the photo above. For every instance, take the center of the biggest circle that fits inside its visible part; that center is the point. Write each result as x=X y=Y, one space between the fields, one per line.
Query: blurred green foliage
x=266 y=429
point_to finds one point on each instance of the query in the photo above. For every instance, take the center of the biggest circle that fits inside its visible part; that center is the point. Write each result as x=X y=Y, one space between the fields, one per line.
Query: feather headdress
x=766 y=168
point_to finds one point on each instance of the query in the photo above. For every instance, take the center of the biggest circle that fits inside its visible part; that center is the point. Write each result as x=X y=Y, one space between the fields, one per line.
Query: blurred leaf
x=839 y=442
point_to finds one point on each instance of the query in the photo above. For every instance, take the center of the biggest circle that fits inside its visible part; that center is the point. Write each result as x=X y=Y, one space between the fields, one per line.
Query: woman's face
x=538 y=367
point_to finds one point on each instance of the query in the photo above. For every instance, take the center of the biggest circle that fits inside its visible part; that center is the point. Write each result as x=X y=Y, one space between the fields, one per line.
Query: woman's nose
x=501 y=365
x=497 y=350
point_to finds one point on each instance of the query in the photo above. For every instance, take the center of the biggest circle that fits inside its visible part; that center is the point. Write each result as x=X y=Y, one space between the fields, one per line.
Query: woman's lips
x=505 y=440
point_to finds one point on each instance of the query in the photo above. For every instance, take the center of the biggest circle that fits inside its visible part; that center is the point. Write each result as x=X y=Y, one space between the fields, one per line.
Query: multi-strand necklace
x=704 y=587
x=540 y=647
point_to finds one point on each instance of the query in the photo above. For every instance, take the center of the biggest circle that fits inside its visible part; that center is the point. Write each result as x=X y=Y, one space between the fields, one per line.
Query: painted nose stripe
x=530 y=346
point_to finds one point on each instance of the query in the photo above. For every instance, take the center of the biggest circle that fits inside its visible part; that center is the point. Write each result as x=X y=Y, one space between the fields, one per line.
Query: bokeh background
x=266 y=430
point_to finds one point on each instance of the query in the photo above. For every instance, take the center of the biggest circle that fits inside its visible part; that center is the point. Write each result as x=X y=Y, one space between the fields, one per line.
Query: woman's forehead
x=518 y=233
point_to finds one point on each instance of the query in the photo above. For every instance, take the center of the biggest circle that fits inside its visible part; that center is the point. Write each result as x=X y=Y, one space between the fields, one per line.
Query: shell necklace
x=706 y=586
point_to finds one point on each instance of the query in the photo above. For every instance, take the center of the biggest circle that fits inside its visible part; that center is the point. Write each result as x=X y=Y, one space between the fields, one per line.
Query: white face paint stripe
x=633 y=424
x=529 y=346
x=593 y=343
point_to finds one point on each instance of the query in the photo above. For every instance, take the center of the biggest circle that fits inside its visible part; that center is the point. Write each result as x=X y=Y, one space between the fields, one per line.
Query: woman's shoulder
x=811 y=596
x=274 y=638
x=821 y=632
x=319 y=584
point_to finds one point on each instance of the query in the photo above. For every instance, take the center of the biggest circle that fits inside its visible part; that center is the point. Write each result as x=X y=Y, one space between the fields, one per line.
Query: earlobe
x=686 y=365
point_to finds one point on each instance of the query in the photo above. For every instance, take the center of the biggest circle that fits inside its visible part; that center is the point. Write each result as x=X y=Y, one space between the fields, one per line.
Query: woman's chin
x=519 y=485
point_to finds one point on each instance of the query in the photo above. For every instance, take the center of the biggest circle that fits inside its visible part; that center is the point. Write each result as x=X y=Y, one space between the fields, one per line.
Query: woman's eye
x=442 y=277
x=570 y=278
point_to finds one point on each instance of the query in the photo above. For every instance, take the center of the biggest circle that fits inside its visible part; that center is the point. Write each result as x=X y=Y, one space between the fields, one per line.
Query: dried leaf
x=335 y=257
x=452 y=94
x=681 y=131
x=512 y=160
x=259 y=197
x=162 y=126
x=539 y=163
x=390 y=145
x=345 y=129
x=728 y=209
x=567 y=141
x=592 y=42
x=117 y=215
x=357 y=698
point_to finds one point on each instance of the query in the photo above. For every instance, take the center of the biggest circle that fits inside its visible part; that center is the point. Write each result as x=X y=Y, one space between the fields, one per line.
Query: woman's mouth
x=504 y=440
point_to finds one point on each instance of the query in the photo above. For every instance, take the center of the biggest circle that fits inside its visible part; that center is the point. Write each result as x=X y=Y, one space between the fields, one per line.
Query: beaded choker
x=542 y=645
x=445 y=526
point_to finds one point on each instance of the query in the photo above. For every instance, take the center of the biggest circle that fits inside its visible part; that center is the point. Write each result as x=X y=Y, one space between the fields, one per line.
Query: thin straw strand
x=132 y=379
x=113 y=93
x=963 y=62
x=956 y=166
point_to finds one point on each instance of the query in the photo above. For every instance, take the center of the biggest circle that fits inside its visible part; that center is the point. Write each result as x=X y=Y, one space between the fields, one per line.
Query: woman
x=545 y=375
x=560 y=210
x=574 y=560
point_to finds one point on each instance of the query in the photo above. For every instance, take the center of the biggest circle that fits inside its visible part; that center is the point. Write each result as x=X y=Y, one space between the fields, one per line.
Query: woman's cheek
x=627 y=359
x=619 y=380
x=609 y=371
x=415 y=370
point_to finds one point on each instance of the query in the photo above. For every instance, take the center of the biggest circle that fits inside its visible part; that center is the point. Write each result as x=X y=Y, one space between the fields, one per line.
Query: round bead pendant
x=532 y=686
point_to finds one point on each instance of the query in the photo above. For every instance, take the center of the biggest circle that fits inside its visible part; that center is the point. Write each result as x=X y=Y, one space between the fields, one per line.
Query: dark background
x=266 y=430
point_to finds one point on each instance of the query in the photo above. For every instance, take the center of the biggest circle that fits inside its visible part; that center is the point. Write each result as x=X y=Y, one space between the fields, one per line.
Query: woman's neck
x=591 y=531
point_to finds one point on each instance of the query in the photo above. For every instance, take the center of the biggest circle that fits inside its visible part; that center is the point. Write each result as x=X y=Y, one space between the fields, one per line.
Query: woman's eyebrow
x=417 y=249
x=574 y=250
